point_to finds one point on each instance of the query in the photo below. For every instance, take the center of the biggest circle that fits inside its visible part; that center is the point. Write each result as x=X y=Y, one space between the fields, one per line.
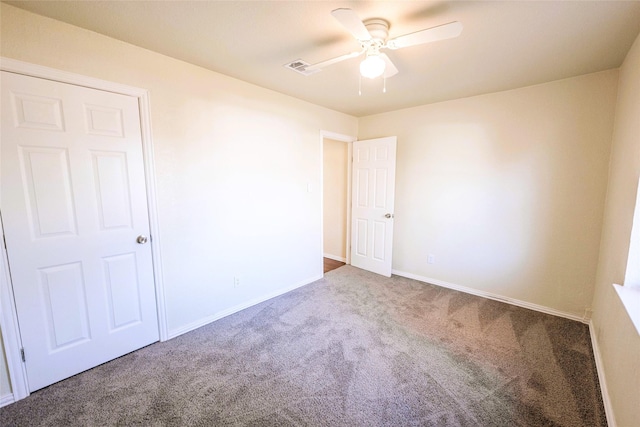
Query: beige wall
x=618 y=341
x=505 y=189
x=230 y=159
x=335 y=197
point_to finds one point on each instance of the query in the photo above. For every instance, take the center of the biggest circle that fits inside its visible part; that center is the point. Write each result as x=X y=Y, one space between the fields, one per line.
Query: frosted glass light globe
x=372 y=67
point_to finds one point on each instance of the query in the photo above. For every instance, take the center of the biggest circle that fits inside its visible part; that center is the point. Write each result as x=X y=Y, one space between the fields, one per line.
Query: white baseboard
x=7 y=399
x=224 y=313
x=608 y=408
x=335 y=257
x=496 y=297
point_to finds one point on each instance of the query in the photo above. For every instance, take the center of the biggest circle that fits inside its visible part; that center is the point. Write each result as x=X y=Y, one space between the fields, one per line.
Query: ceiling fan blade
x=332 y=61
x=389 y=69
x=441 y=32
x=349 y=20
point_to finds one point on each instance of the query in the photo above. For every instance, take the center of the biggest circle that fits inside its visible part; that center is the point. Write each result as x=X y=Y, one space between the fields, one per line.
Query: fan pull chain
x=384 y=85
x=359 y=85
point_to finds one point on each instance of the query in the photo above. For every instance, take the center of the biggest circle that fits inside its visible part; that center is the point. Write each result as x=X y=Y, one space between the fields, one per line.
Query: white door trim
x=8 y=315
x=10 y=332
x=349 y=140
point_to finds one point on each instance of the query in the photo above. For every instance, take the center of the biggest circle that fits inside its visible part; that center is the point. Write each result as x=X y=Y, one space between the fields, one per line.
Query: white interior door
x=73 y=203
x=374 y=173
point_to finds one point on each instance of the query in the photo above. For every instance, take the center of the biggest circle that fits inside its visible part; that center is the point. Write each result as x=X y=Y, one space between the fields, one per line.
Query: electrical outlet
x=236 y=282
x=431 y=259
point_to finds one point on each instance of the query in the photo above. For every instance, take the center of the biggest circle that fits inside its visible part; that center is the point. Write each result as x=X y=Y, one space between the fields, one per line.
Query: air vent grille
x=300 y=66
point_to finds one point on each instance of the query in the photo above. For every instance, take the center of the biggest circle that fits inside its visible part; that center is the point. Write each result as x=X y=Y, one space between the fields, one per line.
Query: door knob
x=142 y=239
x=388 y=215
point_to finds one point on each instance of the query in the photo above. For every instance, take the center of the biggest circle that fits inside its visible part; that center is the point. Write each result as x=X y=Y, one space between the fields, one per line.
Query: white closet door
x=73 y=204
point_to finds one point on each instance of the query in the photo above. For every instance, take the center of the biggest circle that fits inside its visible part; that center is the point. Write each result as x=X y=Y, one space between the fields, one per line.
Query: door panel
x=64 y=300
x=112 y=189
x=73 y=203
x=46 y=177
x=380 y=193
x=361 y=237
x=362 y=183
x=379 y=233
x=374 y=163
x=103 y=120
x=37 y=112
x=121 y=278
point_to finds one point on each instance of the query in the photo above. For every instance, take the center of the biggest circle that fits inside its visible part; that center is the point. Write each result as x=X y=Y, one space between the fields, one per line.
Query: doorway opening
x=336 y=200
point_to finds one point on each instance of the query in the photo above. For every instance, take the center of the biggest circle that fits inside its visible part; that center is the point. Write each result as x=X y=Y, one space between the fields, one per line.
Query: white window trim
x=630 y=297
x=630 y=293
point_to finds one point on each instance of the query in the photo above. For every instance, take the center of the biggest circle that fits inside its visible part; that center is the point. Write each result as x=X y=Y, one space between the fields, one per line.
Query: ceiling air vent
x=300 y=66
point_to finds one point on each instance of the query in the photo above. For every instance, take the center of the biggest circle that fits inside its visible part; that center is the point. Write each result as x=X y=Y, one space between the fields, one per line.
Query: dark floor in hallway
x=331 y=264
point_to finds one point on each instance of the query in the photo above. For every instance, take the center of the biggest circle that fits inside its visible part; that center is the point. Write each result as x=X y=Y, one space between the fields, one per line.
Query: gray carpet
x=352 y=349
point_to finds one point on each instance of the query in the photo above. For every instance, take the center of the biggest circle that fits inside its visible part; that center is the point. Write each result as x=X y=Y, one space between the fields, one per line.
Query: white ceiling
x=504 y=45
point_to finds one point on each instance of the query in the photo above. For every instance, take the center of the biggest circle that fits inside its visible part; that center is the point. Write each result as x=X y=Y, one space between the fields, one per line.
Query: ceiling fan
x=372 y=34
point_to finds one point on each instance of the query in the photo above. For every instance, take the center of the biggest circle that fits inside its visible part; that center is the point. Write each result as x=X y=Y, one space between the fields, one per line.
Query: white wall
x=232 y=163
x=617 y=339
x=334 y=177
x=505 y=189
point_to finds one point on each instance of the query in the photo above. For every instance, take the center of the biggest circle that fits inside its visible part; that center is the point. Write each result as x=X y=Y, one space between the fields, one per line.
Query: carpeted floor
x=352 y=349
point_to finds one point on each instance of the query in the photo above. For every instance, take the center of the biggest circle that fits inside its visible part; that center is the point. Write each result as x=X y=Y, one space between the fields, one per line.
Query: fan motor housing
x=378 y=28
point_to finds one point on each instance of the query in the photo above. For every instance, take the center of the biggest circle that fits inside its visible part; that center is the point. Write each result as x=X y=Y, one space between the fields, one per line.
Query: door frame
x=8 y=315
x=349 y=140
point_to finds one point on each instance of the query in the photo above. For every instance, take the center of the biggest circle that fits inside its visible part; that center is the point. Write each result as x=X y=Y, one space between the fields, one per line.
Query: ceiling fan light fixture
x=373 y=66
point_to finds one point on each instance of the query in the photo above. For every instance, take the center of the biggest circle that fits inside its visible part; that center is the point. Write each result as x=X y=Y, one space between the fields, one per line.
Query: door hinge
x=24 y=359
